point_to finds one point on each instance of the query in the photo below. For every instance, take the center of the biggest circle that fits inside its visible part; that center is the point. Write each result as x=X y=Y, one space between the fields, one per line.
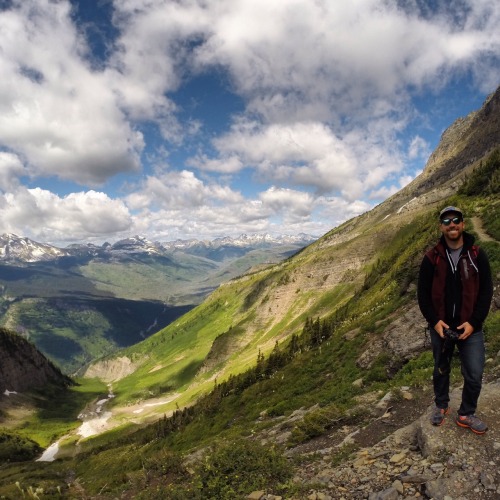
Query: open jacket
x=455 y=295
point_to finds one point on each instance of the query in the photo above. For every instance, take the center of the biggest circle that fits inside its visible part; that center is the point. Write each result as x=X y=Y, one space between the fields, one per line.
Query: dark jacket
x=461 y=294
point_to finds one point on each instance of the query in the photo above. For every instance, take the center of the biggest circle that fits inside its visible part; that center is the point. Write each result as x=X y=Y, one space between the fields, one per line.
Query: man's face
x=452 y=226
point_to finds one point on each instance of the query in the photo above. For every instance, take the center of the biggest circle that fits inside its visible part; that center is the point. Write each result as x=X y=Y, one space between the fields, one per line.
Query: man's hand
x=468 y=330
x=440 y=326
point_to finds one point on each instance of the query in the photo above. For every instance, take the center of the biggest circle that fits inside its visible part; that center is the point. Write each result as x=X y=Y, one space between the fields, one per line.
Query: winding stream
x=94 y=422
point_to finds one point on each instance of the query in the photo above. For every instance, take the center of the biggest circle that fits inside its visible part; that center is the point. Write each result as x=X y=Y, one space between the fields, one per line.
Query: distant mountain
x=221 y=249
x=14 y=248
x=245 y=240
x=83 y=301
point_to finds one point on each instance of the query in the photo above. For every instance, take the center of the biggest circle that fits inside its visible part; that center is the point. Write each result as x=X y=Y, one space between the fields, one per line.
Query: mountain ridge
x=19 y=249
x=23 y=367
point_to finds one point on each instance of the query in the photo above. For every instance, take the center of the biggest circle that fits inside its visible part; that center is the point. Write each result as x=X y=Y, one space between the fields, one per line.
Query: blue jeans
x=472 y=358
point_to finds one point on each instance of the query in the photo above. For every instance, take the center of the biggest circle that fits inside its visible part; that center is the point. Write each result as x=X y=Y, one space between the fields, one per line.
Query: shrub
x=314 y=424
x=235 y=469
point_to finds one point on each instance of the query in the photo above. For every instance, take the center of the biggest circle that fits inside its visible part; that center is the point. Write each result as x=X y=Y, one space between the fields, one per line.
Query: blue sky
x=200 y=119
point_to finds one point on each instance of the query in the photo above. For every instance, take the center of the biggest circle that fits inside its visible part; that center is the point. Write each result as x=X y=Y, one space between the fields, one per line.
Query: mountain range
x=18 y=250
x=317 y=352
x=83 y=301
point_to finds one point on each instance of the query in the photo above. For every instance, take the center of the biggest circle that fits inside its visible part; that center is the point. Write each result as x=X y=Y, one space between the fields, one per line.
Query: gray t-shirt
x=455 y=255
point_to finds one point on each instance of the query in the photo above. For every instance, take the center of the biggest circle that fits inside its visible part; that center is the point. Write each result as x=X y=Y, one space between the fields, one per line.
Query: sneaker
x=472 y=422
x=438 y=414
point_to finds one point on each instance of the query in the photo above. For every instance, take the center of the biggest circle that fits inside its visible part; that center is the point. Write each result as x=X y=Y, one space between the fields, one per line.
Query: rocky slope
x=398 y=454
x=23 y=367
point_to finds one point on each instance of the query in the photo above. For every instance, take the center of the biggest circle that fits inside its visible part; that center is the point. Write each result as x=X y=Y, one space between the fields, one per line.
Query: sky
x=208 y=118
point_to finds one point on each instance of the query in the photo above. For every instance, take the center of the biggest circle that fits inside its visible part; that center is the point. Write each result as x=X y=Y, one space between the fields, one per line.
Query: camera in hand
x=450 y=334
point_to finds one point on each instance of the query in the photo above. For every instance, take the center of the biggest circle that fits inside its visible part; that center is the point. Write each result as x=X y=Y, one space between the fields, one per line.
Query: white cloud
x=358 y=54
x=291 y=204
x=226 y=165
x=83 y=215
x=55 y=111
x=11 y=169
x=150 y=60
x=419 y=148
x=277 y=210
x=299 y=154
x=310 y=154
x=332 y=211
x=180 y=190
x=384 y=192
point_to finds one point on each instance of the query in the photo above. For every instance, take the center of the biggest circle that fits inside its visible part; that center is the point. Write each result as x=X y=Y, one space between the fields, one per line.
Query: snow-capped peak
x=13 y=247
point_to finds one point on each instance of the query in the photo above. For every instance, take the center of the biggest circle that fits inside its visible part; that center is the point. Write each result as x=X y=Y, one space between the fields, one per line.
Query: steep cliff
x=23 y=367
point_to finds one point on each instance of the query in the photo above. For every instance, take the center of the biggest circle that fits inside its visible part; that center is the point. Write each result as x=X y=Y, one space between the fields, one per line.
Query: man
x=454 y=294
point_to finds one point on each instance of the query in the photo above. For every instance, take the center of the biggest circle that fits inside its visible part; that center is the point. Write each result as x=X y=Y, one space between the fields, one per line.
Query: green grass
x=15 y=448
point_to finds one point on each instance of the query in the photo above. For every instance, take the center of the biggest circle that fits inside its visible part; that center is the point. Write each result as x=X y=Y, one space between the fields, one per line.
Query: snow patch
x=405 y=205
x=95 y=425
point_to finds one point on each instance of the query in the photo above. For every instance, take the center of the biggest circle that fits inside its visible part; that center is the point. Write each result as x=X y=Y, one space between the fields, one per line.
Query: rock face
x=111 y=370
x=23 y=367
x=467 y=139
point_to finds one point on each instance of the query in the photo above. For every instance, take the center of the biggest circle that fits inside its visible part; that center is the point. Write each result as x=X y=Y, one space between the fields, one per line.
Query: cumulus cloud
x=310 y=154
x=55 y=111
x=179 y=190
x=360 y=55
x=11 y=169
x=419 y=148
x=291 y=204
x=226 y=165
x=74 y=217
x=299 y=154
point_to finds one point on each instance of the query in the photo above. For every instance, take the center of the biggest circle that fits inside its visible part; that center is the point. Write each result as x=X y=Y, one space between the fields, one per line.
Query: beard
x=453 y=234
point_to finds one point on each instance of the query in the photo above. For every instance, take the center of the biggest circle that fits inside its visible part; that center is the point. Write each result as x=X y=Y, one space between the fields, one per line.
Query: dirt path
x=478 y=228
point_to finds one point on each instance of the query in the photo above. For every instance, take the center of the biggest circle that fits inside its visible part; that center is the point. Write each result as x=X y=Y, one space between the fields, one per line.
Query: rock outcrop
x=111 y=370
x=461 y=148
x=414 y=460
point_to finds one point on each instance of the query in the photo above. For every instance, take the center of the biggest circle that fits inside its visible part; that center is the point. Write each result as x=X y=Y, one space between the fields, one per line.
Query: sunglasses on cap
x=448 y=220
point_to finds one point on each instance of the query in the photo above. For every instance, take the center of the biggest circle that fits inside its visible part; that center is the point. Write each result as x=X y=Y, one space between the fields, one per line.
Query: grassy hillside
x=320 y=331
